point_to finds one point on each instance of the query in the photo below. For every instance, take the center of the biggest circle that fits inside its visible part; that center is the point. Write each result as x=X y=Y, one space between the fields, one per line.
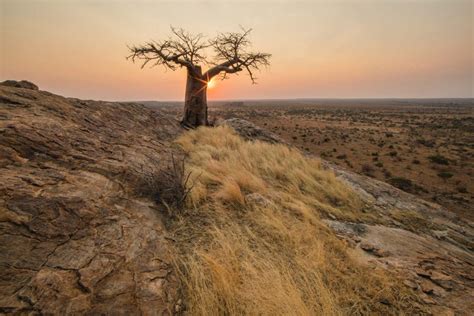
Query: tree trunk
x=195 y=101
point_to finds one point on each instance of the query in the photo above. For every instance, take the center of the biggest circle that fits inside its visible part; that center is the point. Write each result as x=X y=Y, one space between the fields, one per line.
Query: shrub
x=462 y=189
x=439 y=159
x=367 y=169
x=445 y=175
x=406 y=185
x=165 y=182
x=401 y=183
x=426 y=143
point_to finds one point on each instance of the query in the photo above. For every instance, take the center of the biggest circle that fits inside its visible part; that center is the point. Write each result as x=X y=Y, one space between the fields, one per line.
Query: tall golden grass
x=252 y=241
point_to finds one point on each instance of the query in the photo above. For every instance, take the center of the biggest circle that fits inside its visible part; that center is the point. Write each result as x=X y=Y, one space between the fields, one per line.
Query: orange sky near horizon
x=321 y=49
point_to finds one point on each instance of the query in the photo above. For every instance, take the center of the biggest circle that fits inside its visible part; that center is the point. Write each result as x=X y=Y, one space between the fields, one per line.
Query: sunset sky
x=321 y=49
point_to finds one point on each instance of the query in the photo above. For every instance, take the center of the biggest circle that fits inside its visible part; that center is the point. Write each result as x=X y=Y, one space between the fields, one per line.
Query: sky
x=320 y=49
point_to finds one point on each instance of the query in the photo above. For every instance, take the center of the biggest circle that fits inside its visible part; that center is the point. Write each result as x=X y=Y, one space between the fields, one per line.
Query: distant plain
x=422 y=146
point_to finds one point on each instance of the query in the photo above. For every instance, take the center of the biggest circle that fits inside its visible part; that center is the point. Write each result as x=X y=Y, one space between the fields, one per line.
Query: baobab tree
x=188 y=50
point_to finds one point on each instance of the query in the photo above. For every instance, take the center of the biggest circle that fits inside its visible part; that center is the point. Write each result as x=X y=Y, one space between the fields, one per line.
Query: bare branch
x=232 y=56
x=187 y=50
x=183 y=50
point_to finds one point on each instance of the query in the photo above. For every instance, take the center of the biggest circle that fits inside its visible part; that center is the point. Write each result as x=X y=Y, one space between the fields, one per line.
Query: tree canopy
x=183 y=49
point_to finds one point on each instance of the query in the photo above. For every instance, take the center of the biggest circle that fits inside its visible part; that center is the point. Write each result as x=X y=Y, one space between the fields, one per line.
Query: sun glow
x=211 y=83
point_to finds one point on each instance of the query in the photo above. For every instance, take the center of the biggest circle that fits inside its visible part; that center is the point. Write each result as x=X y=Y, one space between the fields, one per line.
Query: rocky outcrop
x=428 y=246
x=19 y=84
x=74 y=237
x=250 y=131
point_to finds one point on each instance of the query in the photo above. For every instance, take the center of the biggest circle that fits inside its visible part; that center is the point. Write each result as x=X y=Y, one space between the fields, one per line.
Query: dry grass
x=252 y=240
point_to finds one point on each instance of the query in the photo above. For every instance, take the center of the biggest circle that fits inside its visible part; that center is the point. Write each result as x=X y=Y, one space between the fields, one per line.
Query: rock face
x=250 y=131
x=74 y=238
x=19 y=84
x=425 y=244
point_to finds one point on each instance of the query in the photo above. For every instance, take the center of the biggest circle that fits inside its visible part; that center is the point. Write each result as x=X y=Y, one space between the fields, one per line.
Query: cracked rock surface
x=74 y=238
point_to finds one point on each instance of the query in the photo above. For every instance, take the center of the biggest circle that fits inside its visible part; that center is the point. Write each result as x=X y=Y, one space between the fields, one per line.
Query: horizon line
x=311 y=98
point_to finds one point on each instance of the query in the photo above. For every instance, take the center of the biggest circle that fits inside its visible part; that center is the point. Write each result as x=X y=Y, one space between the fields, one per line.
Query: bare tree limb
x=187 y=50
x=184 y=50
x=232 y=56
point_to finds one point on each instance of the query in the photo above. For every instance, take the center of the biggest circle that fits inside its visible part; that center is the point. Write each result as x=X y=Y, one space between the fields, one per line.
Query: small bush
x=367 y=169
x=426 y=143
x=401 y=183
x=165 y=183
x=406 y=185
x=461 y=189
x=439 y=159
x=445 y=175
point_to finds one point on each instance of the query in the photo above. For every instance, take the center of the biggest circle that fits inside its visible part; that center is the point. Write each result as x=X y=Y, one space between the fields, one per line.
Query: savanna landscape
x=215 y=168
x=424 y=147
